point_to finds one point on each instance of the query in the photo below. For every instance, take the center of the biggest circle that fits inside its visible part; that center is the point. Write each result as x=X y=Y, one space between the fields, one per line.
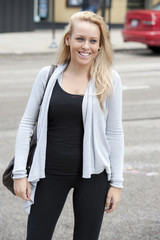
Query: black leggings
x=89 y=197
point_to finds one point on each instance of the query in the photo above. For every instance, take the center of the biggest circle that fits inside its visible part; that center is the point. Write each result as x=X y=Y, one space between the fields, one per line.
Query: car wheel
x=154 y=49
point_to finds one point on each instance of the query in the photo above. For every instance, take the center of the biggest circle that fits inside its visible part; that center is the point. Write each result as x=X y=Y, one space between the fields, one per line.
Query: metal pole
x=104 y=9
x=148 y=4
x=53 y=44
x=109 y=16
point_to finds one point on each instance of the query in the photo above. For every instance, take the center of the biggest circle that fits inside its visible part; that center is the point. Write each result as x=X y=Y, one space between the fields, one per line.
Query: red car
x=143 y=26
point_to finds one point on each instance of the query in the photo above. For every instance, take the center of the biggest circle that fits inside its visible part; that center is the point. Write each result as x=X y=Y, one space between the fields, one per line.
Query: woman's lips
x=84 y=54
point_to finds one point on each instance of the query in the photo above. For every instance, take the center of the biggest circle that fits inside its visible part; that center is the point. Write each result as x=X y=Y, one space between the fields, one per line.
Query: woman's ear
x=67 y=40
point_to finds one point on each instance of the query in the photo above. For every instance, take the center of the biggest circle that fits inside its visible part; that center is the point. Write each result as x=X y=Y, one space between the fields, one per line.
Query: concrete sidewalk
x=39 y=41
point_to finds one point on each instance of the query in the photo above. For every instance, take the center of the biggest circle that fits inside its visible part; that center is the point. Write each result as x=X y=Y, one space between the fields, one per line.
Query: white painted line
x=135 y=87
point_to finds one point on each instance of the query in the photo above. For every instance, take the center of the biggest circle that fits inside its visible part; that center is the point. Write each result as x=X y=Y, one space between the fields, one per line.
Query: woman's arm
x=114 y=133
x=115 y=136
x=27 y=123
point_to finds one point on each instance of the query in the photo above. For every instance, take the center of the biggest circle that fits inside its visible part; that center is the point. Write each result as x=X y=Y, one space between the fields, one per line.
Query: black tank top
x=65 y=133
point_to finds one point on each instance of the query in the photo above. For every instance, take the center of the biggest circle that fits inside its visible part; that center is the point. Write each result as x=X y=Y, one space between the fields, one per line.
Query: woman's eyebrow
x=79 y=35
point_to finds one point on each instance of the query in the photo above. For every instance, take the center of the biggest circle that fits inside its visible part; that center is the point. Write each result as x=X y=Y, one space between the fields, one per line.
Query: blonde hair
x=101 y=69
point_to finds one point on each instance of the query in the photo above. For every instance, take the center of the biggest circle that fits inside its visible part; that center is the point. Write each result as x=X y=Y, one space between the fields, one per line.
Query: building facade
x=59 y=11
x=27 y=15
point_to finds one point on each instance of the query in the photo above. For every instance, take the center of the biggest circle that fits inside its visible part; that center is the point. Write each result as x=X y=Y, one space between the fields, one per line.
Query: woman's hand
x=22 y=188
x=113 y=198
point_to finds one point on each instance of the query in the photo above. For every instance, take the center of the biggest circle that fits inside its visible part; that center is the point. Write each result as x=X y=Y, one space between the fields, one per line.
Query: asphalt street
x=138 y=214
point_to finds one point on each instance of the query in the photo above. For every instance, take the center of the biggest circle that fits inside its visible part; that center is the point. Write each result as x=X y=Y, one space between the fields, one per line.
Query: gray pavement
x=138 y=214
x=39 y=42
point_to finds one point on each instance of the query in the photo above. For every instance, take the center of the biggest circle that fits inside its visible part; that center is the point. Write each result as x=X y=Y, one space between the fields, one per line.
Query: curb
x=27 y=53
x=129 y=49
x=55 y=52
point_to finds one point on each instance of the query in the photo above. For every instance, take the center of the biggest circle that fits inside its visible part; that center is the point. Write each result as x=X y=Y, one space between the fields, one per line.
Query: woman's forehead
x=85 y=27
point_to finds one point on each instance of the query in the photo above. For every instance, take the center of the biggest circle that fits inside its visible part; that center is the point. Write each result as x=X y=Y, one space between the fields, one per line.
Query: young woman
x=80 y=135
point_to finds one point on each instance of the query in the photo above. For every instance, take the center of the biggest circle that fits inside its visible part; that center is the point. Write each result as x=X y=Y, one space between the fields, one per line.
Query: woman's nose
x=85 y=45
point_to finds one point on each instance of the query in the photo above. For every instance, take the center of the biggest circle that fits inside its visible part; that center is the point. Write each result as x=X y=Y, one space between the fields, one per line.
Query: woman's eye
x=93 y=41
x=80 y=39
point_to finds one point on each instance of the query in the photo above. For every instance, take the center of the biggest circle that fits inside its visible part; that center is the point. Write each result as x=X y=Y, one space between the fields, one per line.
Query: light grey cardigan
x=103 y=141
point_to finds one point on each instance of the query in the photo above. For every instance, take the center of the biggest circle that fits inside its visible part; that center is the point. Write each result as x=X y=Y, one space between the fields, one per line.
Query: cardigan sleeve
x=27 y=123
x=114 y=132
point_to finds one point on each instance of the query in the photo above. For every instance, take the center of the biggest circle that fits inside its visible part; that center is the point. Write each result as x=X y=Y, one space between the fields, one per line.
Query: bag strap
x=52 y=69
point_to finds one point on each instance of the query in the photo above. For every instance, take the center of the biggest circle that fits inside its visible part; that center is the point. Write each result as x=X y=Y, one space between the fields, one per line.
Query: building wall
x=62 y=13
x=118 y=11
x=16 y=16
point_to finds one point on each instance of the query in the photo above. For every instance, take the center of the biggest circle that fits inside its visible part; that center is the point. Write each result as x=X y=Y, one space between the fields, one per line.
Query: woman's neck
x=77 y=70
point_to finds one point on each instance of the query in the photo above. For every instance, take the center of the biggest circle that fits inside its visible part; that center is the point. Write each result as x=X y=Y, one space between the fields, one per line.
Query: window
x=74 y=3
x=135 y=4
x=78 y=3
x=41 y=10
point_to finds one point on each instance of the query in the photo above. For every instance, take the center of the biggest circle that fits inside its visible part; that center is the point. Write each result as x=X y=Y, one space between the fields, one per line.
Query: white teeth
x=84 y=54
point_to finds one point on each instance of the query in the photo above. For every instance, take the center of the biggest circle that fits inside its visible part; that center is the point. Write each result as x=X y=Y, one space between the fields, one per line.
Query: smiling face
x=84 y=42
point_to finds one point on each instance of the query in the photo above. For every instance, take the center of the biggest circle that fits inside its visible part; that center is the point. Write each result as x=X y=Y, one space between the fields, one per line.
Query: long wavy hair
x=101 y=69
